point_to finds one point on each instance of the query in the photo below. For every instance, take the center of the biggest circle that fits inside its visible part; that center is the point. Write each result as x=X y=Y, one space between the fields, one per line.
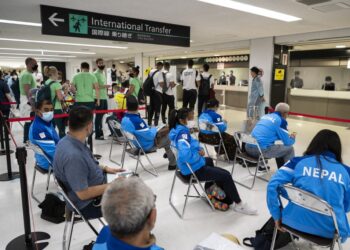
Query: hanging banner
x=76 y=23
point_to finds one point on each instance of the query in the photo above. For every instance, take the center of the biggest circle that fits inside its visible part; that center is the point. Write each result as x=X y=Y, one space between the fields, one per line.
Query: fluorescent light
x=20 y=22
x=23 y=58
x=216 y=55
x=184 y=57
x=348 y=64
x=25 y=54
x=49 y=51
x=61 y=43
x=121 y=62
x=252 y=9
x=340 y=46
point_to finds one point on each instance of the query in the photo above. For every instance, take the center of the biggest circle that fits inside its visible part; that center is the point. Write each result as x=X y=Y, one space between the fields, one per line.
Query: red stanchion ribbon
x=8 y=103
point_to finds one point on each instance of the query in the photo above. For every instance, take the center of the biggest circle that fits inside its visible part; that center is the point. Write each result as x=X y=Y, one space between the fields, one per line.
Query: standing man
x=103 y=87
x=189 y=78
x=168 y=92
x=27 y=82
x=232 y=78
x=296 y=82
x=156 y=97
x=256 y=97
x=5 y=96
x=205 y=84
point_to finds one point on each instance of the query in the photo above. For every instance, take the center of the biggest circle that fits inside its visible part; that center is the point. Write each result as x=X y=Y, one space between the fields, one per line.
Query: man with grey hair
x=271 y=128
x=296 y=82
x=128 y=205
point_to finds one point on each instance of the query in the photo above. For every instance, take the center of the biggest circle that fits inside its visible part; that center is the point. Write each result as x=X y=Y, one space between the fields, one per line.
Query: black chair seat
x=247 y=157
x=309 y=237
x=40 y=169
x=185 y=178
x=135 y=151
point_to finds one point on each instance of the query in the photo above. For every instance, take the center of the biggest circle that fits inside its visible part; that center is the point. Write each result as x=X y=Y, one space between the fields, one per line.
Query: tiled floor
x=171 y=232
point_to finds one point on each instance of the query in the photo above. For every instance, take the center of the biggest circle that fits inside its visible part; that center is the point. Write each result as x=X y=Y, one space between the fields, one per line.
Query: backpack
x=44 y=93
x=148 y=85
x=263 y=237
x=53 y=208
x=204 y=88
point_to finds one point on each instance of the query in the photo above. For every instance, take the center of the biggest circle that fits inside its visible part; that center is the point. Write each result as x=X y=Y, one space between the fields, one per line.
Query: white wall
x=313 y=77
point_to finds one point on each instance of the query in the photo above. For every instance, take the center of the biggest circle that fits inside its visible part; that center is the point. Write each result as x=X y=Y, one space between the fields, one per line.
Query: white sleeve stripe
x=183 y=140
x=145 y=129
x=286 y=131
x=45 y=141
x=287 y=169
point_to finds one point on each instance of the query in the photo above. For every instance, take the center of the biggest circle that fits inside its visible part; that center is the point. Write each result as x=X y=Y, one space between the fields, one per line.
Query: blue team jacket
x=135 y=125
x=106 y=241
x=211 y=117
x=44 y=135
x=331 y=183
x=271 y=128
x=188 y=149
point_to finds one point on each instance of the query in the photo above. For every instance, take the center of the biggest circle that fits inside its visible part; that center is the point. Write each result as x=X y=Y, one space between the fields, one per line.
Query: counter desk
x=232 y=96
x=319 y=102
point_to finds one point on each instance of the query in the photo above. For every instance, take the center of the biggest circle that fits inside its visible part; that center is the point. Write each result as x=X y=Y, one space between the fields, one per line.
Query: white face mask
x=14 y=77
x=47 y=116
x=191 y=124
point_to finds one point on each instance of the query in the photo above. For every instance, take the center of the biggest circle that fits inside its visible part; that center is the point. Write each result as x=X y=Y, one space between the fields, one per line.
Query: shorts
x=24 y=107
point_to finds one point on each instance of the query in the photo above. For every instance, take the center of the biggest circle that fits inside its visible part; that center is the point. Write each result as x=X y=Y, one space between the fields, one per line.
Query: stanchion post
x=27 y=241
x=2 y=126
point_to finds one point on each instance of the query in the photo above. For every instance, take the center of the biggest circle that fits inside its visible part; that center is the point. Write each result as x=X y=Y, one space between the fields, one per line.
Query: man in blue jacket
x=149 y=138
x=272 y=128
x=43 y=134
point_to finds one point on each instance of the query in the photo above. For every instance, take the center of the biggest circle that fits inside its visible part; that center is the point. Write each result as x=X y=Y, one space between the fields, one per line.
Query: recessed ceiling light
x=20 y=22
x=23 y=58
x=340 y=46
x=49 y=51
x=252 y=9
x=184 y=57
x=25 y=54
x=61 y=43
x=121 y=61
x=216 y=55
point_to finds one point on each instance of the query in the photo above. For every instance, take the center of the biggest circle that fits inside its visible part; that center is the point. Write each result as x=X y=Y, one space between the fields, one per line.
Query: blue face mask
x=47 y=116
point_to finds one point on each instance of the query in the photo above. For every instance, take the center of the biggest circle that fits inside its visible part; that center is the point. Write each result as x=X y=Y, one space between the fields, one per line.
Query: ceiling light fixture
x=20 y=23
x=252 y=10
x=49 y=51
x=25 y=54
x=23 y=58
x=340 y=46
x=61 y=43
x=184 y=57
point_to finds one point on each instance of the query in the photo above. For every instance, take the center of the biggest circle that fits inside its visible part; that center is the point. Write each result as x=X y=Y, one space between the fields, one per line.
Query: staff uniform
x=328 y=180
x=168 y=95
x=156 y=97
x=189 y=77
x=101 y=79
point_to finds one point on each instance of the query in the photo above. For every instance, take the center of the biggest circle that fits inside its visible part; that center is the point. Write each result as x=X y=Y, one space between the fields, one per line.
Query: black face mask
x=131 y=75
x=35 y=67
x=102 y=67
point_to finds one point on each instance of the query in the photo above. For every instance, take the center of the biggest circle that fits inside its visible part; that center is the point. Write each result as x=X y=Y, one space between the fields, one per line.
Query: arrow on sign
x=53 y=19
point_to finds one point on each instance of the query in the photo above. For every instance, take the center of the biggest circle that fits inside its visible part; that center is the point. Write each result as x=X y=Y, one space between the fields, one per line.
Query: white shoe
x=244 y=208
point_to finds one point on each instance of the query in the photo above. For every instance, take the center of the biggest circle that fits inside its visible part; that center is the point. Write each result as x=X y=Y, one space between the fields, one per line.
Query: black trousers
x=99 y=118
x=92 y=211
x=154 y=107
x=202 y=101
x=168 y=101
x=60 y=123
x=189 y=98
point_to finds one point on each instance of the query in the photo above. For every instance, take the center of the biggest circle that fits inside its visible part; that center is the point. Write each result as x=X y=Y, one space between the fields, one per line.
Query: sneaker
x=171 y=167
x=262 y=169
x=244 y=208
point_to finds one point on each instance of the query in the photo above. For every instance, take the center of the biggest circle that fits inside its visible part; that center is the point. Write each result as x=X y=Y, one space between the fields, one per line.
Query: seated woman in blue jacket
x=223 y=191
x=43 y=133
x=211 y=117
x=321 y=172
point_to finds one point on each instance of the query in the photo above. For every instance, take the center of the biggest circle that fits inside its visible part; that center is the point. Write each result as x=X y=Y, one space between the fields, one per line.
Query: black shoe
x=262 y=169
x=165 y=155
x=171 y=167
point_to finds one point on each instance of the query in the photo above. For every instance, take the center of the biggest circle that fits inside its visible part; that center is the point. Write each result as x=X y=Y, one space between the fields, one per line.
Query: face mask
x=35 y=67
x=102 y=67
x=131 y=75
x=15 y=77
x=191 y=124
x=47 y=116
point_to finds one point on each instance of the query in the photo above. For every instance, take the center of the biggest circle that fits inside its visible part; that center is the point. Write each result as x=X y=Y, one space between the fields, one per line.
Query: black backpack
x=204 y=88
x=263 y=237
x=44 y=93
x=148 y=85
x=52 y=208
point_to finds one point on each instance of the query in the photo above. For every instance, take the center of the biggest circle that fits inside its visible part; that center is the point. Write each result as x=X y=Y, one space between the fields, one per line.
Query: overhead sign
x=279 y=74
x=76 y=23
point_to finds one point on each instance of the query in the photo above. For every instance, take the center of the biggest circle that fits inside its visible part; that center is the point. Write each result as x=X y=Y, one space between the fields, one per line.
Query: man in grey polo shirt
x=75 y=166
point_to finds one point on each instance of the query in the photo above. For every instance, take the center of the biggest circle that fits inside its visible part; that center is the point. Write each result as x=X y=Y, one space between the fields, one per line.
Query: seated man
x=76 y=168
x=130 y=221
x=211 y=117
x=43 y=134
x=268 y=130
x=148 y=138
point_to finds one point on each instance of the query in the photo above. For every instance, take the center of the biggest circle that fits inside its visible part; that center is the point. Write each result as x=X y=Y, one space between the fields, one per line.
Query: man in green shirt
x=101 y=79
x=27 y=82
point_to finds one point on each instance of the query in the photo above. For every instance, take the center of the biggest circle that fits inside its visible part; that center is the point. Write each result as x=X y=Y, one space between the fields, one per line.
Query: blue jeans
x=280 y=152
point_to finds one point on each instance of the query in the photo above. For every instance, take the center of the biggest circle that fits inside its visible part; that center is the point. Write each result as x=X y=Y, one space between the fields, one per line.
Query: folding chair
x=241 y=139
x=119 y=137
x=212 y=127
x=38 y=150
x=135 y=151
x=315 y=204
x=72 y=217
x=191 y=182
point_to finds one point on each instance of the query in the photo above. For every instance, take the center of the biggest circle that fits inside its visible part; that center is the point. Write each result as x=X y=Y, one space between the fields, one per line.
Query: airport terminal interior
x=88 y=87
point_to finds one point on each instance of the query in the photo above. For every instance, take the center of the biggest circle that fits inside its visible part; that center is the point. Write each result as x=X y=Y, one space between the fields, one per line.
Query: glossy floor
x=171 y=232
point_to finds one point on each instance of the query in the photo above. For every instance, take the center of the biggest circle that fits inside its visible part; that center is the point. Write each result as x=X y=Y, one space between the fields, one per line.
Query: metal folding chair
x=135 y=151
x=118 y=137
x=38 y=150
x=191 y=182
x=241 y=139
x=72 y=217
x=315 y=204
x=212 y=127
